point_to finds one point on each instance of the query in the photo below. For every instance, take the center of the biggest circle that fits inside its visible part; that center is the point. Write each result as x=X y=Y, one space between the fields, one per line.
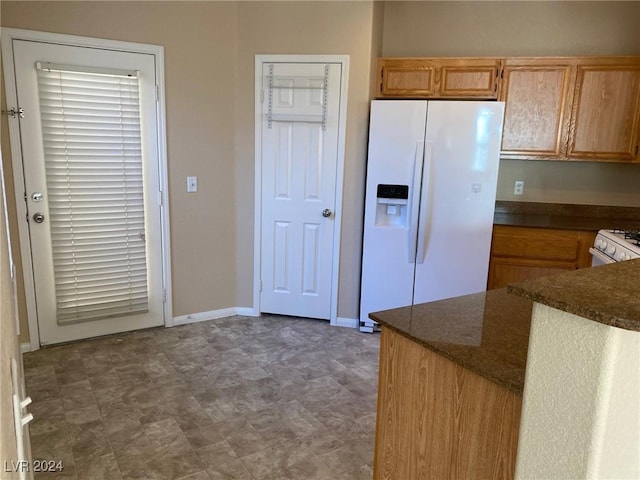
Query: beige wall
x=528 y=29
x=306 y=28
x=209 y=63
x=200 y=124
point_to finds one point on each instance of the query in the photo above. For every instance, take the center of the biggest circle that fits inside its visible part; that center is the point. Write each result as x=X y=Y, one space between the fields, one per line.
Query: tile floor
x=251 y=398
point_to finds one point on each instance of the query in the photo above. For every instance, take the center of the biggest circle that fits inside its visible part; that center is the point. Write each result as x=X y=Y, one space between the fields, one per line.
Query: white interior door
x=300 y=130
x=97 y=248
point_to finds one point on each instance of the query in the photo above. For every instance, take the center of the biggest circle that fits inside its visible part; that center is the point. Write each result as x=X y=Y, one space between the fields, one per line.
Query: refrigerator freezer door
x=459 y=199
x=396 y=136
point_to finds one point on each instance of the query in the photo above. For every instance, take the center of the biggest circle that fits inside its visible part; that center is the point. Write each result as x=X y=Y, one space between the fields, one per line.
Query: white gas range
x=615 y=246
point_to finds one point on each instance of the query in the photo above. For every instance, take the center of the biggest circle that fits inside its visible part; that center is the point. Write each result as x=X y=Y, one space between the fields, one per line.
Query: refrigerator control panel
x=391 y=209
x=393 y=191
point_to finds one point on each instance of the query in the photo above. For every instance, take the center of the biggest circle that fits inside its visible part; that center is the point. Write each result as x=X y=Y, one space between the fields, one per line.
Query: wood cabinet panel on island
x=438 y=78
x=522 y=253
x=437 y=419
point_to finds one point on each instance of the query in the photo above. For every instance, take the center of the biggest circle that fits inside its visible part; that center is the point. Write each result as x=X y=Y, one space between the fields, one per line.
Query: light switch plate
x=192 y=184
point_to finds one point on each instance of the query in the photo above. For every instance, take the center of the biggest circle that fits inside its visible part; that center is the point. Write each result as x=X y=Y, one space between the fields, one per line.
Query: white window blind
x=93 y=161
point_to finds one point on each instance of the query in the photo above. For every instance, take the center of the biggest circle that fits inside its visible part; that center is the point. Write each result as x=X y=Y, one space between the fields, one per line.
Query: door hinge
x=14 y=112
x=260 y=286
x=636 y=149
x=157 y=93
x=164 y=295
x=161 y=198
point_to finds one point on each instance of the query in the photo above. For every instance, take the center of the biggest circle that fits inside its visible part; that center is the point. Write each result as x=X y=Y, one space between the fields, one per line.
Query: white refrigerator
x=432 y=173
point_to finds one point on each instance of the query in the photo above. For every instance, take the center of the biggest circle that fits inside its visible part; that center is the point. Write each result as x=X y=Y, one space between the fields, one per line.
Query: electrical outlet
x=518 y=188
x=192 y=184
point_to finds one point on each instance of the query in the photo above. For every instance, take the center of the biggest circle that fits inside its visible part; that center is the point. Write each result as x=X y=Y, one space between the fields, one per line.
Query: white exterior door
x=300 y=134
x=97 y=263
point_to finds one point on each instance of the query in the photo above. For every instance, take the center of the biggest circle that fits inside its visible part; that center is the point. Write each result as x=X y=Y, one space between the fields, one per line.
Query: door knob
x=326 y=212
x=38 y=217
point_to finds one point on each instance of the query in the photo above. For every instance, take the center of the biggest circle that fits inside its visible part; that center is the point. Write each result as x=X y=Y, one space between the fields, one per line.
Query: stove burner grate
x=633 y=236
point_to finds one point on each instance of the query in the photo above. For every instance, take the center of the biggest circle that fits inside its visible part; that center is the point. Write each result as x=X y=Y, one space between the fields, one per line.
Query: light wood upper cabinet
x=473 y=78
x=606 y=112
x=537 y=107
x=405 y=77
x=556 y=108
x=572 y=108
x=438 y=78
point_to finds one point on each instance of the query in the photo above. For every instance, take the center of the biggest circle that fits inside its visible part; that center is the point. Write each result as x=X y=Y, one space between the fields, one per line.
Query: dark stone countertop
x=566 y=216
x=607 y=294
x=488 y=332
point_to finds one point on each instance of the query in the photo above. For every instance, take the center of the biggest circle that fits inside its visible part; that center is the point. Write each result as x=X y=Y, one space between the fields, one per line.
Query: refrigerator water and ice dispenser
x=391 y=205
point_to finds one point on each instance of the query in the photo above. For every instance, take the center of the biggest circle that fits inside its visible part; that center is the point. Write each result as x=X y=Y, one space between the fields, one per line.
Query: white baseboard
x=25 y=347
x=247 y=312
x=346 y=322
x=214 y=314
x=204 y=316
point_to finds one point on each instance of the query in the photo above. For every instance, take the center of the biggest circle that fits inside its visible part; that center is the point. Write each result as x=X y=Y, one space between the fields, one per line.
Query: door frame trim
x=260 y=60
x=7 y=36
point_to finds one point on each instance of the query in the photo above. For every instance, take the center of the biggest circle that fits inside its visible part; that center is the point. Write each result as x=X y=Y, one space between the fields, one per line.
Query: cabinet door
x=522 y=253
x=469 y=78
x=438 y=77
x=503 y=271
x=606 y=112
x=404 y=77
x=537 y=107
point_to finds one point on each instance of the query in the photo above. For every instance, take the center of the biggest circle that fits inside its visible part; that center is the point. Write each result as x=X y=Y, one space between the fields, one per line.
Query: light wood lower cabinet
x=520 y=253
x=437 y=419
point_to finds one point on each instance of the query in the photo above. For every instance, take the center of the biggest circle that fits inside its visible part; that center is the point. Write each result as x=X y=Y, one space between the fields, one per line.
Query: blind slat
x=93 y=159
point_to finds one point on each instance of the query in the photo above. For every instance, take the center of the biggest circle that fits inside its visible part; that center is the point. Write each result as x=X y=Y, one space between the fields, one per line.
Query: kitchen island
x=452 y=381
x=581 y=410
x=450 y=387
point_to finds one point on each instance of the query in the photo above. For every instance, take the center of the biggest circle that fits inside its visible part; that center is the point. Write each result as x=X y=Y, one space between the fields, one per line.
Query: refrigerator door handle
x=424 y=223
x=414 y=210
